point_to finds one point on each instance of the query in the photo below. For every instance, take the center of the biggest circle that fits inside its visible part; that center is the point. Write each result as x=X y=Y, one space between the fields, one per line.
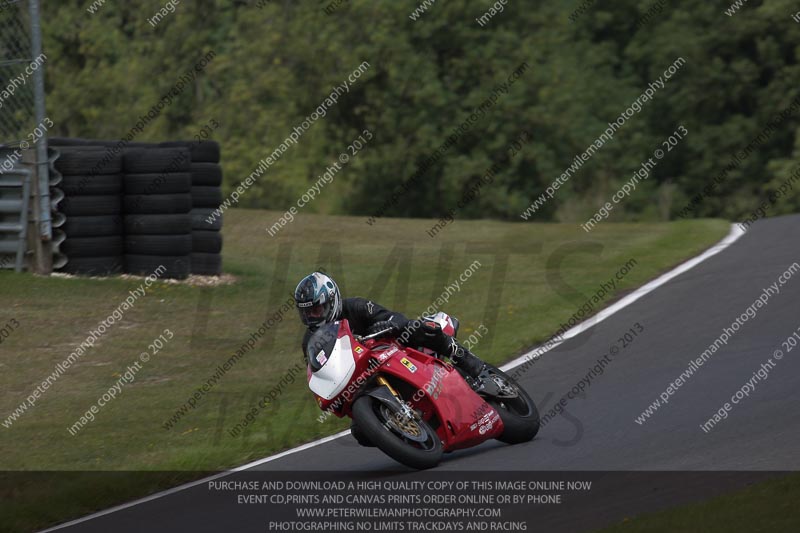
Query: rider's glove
x=384 y=325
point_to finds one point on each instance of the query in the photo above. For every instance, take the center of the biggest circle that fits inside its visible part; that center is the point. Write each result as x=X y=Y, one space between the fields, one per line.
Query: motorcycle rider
x=319 y=302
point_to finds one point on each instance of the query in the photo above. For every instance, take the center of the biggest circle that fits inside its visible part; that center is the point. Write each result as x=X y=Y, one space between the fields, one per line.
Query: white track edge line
x=191 y=484
x=735 y=233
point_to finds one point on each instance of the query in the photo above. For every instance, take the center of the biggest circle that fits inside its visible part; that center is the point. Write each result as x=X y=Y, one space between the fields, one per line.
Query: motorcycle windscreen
x=331 y=360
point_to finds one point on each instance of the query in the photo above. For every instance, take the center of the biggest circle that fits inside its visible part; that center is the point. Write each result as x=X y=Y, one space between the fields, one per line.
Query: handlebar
x=372 y=335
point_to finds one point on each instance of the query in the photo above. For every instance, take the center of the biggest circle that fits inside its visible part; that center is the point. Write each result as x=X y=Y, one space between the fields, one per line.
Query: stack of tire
x=92 y=184
x=206 y=198
x=157 y=202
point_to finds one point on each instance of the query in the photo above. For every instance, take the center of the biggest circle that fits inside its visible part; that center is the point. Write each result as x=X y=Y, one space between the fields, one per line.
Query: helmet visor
x=313 y=314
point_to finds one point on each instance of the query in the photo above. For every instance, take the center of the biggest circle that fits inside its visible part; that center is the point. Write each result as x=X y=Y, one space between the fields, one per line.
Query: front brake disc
x=408 y=427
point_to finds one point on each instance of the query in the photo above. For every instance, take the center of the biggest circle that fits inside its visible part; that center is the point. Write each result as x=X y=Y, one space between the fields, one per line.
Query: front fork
x=406 y=409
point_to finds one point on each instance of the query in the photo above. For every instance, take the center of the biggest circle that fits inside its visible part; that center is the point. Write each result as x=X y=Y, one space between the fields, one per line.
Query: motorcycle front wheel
x=411 y=442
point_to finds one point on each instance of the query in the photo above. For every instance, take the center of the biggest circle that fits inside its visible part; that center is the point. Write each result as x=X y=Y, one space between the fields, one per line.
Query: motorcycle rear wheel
x=370 y=415
x=519 y=415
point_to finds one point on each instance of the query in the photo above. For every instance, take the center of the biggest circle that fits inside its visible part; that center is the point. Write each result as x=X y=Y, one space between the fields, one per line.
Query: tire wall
x=135 y=210
x=87 y=201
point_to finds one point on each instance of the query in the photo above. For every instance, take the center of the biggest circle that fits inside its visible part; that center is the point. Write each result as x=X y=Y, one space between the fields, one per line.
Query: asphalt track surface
x=598 y=432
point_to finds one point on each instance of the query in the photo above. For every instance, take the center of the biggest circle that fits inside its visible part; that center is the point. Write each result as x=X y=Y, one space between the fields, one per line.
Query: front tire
x=519 y=414
x=357 y=434
x=374 y=420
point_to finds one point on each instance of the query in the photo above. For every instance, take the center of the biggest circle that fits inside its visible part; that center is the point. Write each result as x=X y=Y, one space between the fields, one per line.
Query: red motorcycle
x=413 y=405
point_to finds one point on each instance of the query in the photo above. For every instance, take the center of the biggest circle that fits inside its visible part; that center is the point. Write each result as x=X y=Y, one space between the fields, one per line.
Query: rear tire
x=371 y=424
x=520 y=416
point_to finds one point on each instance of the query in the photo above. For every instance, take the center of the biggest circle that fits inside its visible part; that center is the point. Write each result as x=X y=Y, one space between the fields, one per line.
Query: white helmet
x=318 y=300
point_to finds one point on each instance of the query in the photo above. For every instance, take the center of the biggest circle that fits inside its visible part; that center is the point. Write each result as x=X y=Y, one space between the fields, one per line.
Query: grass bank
x=530 y=278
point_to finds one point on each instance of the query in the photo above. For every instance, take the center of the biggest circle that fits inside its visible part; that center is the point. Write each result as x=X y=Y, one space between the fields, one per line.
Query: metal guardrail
x=22 y=115
x=58 y=219
x=15 y=193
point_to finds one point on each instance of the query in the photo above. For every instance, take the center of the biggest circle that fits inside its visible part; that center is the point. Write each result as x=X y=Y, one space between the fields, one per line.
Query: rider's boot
x=429 y=334
x=469 y=363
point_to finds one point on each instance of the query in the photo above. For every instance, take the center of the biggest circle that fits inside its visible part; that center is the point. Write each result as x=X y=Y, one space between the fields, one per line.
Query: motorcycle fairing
x=466 y=419
x=337 y=369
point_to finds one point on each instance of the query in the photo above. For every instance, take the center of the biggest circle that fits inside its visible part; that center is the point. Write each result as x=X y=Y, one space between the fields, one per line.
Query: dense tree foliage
x=276 y=61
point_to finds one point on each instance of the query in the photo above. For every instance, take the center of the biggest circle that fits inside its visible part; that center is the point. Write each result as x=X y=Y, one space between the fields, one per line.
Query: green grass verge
x=766 y=507
x=531 y=278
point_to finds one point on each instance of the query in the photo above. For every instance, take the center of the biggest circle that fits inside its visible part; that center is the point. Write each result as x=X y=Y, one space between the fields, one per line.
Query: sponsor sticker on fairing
x=409 y=365
x=387 y=354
